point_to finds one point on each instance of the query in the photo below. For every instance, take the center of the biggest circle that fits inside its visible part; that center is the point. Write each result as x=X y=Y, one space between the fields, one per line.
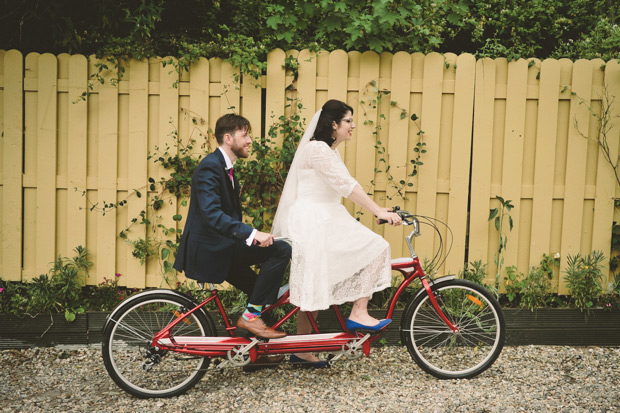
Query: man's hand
x=264 y=239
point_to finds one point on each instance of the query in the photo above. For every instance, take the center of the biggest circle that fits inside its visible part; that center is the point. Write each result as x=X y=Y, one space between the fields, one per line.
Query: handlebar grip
x=381 y=221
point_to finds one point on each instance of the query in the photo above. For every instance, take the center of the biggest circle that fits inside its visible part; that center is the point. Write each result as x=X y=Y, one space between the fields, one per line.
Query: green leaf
x=177 y=217
x=69 y=316
x=492 y=213
x=165 y=252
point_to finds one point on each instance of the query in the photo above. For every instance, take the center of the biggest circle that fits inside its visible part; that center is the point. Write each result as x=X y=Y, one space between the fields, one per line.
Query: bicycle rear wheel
x=443 y=353
x=135 y=365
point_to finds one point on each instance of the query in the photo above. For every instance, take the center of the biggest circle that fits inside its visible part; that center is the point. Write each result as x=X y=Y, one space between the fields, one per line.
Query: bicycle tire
x=141 y=370
x=447 y=355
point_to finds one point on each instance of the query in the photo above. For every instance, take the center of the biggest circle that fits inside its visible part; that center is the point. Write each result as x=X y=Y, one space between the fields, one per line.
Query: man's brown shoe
x=259 y=328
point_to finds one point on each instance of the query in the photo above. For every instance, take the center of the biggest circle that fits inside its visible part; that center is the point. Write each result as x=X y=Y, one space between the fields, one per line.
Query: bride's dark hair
x=333 y=111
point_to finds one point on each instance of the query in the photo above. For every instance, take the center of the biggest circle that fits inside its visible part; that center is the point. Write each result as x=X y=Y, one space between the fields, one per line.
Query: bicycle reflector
x=475 y=300
x=179 y=315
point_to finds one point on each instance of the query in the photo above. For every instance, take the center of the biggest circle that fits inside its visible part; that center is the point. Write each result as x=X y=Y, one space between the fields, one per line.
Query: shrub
x=584 y=279
x=532 y=290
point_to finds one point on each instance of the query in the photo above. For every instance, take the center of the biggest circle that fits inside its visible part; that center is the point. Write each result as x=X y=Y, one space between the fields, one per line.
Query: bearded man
x=216 y=245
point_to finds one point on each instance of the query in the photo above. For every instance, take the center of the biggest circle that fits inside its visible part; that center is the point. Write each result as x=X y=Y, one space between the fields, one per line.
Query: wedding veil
x=289 y=193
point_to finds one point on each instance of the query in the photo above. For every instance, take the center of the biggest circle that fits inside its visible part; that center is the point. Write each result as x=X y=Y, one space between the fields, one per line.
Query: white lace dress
x=335 y=258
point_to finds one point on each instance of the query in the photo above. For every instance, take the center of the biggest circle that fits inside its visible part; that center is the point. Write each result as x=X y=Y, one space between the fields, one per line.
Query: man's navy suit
x=213 y=247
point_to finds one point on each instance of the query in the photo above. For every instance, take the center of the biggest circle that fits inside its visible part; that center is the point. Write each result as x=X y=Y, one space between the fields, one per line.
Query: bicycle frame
x=219 y=346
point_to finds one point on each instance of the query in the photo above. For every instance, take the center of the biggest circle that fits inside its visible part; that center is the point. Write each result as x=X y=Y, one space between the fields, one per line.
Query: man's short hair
x=230 y=123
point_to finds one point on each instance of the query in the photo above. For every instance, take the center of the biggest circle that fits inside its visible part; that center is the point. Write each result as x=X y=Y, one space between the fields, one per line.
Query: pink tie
x=231 y=175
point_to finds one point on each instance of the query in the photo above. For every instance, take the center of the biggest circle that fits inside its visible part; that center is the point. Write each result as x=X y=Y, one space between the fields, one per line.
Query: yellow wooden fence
x=491 y=127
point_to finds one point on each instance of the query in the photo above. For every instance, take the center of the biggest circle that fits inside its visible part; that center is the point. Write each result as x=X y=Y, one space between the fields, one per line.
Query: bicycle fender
x=172 y=293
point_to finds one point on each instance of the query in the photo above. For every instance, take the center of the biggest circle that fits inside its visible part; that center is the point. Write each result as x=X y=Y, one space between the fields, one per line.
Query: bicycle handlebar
x=406 y=216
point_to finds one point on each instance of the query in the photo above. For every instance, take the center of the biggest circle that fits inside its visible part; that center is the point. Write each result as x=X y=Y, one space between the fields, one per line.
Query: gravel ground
x=525 y=378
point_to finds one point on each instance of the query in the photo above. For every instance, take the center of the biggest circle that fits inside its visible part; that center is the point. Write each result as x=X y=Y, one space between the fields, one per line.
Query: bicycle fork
x=433 y=299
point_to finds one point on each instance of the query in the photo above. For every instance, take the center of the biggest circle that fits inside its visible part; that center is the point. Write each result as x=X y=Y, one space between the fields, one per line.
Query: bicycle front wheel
x=145 y=371
x=454 y=355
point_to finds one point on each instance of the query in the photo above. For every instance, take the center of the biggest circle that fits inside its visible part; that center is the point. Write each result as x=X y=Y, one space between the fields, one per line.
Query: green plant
x=532 y=290
x=371 y=100
x=262 y=176
x=499 y=215
x=476 y=272
x=67 y=278
x=584 y=278
x=614 y=261
x=107 y=295
x=60 y=290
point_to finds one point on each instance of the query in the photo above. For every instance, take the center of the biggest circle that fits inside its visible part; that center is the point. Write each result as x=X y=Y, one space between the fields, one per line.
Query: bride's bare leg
x=304 y=327
x=359 y=313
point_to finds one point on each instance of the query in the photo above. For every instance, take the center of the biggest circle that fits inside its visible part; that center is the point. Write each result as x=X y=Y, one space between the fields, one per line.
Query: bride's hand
x=391 y=218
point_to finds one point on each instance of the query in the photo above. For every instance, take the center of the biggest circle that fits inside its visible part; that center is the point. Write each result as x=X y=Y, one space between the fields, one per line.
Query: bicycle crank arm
x=354 y=349
x=241 y=356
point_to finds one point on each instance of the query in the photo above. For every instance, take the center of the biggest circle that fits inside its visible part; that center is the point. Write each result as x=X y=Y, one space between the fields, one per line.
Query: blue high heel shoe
x=352 y=325
x=299 y=362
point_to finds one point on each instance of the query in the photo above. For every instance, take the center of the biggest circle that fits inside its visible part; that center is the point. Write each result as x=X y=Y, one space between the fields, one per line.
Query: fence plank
x=231 y=96
x=430 y=120
x=306 y=85
x=137 y=168
x=13 y=116
x=276 y=79
x=198 y=117
x=168 y=132
x=606 y=183
x=337 y=83
x=30 y=131
x=2 y=54
x=77 y=152
x=546 y=132
x=46 y=163
x=290 y=91
x=251 y=103
x=512 y=171
x=350 y=150
x=199 y=101
x=367 y=120
x=482 y=152
x=574 y=193
x=397 y=155
x=460 y=158
x=107 y=149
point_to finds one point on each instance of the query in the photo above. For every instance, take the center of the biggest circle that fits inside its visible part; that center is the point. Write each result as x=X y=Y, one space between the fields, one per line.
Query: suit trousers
x=261 y=288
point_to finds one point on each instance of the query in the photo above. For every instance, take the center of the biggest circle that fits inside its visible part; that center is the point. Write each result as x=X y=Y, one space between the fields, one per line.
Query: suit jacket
x=213 y=223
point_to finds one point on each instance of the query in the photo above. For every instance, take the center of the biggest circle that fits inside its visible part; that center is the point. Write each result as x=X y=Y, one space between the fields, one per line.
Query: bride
x=335 y=258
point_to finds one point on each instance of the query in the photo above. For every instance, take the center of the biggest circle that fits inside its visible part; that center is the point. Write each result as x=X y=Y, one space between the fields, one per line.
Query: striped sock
x=252 y=311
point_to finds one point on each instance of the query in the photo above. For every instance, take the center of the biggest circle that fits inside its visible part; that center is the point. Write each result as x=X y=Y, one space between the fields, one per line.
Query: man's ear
x=227 y=138
x=334 y=125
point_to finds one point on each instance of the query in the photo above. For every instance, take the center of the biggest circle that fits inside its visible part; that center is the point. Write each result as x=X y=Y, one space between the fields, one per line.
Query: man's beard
x=239 y=151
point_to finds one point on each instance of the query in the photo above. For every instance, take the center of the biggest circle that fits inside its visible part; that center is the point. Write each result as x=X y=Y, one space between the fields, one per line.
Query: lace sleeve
x=328 y=164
